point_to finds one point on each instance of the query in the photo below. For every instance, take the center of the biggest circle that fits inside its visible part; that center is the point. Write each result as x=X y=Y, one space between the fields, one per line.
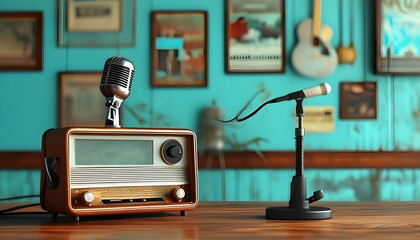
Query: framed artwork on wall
x=358 y=100
x=179 y=49
x=96 y=23
x=81 y=103
x=397 y=37
x=254 y=36
x=21 y=40
x=93 y=16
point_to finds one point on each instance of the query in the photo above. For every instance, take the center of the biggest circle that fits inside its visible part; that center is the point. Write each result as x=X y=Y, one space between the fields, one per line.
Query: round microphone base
x=287 y=213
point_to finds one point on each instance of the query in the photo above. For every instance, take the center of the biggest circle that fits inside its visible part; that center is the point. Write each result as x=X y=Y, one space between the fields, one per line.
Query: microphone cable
x=237 y=116
x=11 y=211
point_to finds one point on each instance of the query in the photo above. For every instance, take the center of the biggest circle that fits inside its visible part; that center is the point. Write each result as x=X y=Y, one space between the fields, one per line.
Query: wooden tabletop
x=226 y=220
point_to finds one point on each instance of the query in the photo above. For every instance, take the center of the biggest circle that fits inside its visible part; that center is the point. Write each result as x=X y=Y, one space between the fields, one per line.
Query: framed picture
x=358 y=100
x=81 y=103
x=179 y=49
x=397 y=38
x=93 y=16
x=96 y=23
x=254 y=36
x=21 y=36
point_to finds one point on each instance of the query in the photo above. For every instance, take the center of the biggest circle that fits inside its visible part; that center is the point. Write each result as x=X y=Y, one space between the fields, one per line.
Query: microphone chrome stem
x=113 y=105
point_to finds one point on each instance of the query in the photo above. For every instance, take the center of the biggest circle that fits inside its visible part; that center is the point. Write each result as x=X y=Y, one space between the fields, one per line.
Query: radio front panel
x=116 y=161
x=115 y=171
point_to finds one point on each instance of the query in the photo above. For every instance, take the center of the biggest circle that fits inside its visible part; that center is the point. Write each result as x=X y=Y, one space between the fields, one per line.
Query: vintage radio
x=107 y=171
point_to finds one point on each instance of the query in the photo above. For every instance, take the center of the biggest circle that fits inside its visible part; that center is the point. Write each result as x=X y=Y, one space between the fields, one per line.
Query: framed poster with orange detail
x=254 y=36
x=179 y=49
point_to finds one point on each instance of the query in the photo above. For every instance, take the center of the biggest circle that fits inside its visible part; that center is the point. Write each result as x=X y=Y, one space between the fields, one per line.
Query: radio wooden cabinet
x=106 y=171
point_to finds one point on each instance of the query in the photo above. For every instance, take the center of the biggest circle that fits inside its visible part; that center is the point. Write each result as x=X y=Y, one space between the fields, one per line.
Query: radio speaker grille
x=127 y=176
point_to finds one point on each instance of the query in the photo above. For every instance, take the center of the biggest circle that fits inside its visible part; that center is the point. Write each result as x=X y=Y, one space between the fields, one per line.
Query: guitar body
x=314 y=60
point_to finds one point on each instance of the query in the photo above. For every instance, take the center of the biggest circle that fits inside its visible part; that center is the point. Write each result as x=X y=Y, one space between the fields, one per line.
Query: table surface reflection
x=225 y=220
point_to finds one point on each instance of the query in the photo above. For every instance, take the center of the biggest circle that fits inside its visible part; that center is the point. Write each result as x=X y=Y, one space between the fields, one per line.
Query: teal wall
x=337 y=184
x=30 y=102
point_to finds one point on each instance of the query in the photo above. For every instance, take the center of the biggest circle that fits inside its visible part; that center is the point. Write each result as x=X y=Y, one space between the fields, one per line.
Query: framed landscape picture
x=397 y=37
x=21 y=36
x=81 y=103
x=179 y=49
x=254 y=36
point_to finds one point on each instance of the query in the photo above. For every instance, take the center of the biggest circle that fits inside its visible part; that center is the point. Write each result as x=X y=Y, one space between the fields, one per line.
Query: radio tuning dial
x=172 y=151
x=88 y=197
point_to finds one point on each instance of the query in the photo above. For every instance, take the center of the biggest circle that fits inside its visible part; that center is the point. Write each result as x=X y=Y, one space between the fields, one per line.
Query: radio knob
x=172 y=151
x=179 y=193
x=175 y=151
x=88 y=197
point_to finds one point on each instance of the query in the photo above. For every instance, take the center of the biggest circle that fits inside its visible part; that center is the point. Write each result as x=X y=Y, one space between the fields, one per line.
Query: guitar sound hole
x=316 y=41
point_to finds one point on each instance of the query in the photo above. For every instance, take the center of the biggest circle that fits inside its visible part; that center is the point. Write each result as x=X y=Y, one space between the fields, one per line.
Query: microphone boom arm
x=321 y=89
x=274 y=100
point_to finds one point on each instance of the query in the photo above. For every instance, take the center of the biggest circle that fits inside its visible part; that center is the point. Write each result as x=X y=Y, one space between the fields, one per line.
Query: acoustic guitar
x=314 y=56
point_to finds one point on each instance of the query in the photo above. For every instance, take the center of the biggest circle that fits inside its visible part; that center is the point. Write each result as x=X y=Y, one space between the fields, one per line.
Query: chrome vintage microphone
x=115 y=86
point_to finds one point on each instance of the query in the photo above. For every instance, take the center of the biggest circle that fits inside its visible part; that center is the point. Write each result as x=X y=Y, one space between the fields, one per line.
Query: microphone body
x=321 y=89
x=318 y=90
x=115 y=85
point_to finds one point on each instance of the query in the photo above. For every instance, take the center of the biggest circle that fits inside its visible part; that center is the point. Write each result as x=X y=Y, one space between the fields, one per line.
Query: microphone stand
x=299 y=208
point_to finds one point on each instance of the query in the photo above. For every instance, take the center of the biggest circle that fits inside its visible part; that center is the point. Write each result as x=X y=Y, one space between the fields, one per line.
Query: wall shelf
x=250 y=160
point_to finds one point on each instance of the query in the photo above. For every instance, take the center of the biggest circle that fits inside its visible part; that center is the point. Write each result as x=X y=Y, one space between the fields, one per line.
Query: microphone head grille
x=118 y=74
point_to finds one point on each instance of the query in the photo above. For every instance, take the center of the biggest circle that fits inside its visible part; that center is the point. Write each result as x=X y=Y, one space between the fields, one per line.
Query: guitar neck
x=316 y=19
